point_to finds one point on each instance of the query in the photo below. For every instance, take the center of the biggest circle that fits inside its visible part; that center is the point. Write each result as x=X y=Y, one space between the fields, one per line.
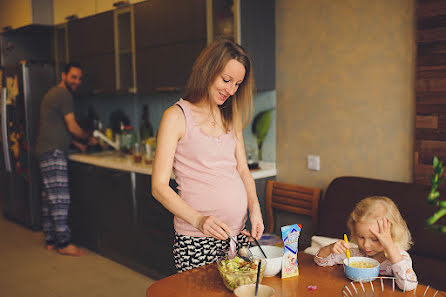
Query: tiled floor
x=27 y=269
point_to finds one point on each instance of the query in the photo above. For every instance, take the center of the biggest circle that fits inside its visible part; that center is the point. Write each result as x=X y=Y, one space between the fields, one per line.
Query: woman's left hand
x=257 y=224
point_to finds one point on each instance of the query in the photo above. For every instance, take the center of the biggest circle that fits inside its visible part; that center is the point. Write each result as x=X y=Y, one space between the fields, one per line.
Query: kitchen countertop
x=115 y=160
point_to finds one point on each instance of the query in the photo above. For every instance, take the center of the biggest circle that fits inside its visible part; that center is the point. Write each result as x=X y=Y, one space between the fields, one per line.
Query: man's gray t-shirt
x=53 y=132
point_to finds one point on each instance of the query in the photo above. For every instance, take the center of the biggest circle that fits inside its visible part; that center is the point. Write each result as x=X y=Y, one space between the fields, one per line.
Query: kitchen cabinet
x=117 y=236
x=125 y=49
x=250 y=23
x=91 y=43
x=257 y=18
x=169 y=36
x=166 y=67
x=155 y=230
x=84 y=219
x=114 y=214
x=60 y=48
x=159 y=22
x=32 y=43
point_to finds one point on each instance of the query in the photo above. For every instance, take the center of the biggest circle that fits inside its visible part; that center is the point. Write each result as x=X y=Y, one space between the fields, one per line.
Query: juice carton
x=290 y=237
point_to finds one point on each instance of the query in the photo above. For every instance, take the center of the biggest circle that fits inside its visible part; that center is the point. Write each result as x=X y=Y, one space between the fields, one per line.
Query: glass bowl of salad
x=237 y=272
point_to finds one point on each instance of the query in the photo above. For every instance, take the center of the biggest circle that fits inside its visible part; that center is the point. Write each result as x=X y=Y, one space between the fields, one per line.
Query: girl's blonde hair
x=205 y=71
x=369 y=208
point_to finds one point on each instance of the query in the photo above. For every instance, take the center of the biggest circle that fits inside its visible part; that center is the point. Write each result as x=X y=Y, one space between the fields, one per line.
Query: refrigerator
x=22 y=90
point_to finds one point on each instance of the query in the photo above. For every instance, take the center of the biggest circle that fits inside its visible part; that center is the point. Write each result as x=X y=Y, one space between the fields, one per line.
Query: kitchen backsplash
x=131 y=105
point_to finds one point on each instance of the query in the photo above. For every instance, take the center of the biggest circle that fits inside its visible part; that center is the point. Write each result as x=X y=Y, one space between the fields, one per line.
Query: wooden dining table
x=206 y=281
x=312 y=281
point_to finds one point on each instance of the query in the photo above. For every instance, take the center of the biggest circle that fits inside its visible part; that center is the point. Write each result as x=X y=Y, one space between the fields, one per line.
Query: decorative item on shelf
x=433 y=198
x=260 y=127
x=71 y=17
x=119 y=4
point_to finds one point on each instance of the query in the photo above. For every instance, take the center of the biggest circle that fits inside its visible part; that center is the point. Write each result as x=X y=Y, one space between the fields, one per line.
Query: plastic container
x=232 y=280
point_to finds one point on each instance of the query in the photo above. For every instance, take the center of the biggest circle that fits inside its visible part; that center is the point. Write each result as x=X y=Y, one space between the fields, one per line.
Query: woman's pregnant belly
x=222 y=197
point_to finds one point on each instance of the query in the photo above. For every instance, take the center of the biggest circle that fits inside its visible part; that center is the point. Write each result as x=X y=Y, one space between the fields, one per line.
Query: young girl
x=381 y=233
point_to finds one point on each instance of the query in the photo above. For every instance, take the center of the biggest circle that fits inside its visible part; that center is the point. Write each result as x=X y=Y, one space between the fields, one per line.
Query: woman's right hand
x=212 y=226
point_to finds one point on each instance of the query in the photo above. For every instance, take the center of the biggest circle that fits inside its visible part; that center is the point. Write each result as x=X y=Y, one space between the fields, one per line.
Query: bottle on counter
x=145 y=128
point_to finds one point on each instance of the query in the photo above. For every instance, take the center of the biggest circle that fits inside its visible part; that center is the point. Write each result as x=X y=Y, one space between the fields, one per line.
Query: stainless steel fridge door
x=4 y=131
x=37 y=80
x=22 y=111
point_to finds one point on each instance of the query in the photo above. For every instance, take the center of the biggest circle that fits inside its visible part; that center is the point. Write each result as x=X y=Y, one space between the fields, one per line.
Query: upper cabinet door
x=169 y=36
x=258 y=38
x=91 y=36
x=91 y=43
x=161 y=22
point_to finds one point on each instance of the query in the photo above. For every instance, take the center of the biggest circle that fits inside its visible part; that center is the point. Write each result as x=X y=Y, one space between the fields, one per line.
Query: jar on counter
x=126 y=139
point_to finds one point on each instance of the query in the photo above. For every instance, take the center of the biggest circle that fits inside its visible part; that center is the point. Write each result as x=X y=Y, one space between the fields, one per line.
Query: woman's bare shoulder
x=173 y=113
x=173 y=122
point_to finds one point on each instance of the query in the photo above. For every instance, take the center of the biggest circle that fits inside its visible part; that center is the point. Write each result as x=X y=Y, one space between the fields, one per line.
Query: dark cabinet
x=114 y=214
x=117 y=237
x=166 y=67
x=155 y=231
x=92 y=35
x=84 y=219
x=160 y=22
x=169 y=36
x=258 y=38
x=91 y=43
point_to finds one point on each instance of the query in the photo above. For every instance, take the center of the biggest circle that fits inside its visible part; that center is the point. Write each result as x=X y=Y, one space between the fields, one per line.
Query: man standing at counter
x=57 y=125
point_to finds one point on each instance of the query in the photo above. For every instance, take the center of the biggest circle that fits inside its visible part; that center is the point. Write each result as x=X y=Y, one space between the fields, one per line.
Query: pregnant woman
x=200 y=138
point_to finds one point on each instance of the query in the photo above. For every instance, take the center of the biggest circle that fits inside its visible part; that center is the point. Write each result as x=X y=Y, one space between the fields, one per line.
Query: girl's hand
x=339 y=247
x=212 y=226
x=383 y=232
x=384 y=235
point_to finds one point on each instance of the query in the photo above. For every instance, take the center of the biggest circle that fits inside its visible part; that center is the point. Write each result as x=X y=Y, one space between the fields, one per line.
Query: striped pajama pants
x=55 y=198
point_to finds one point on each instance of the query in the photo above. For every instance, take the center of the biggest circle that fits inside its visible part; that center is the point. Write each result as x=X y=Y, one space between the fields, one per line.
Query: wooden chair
x=291 y=198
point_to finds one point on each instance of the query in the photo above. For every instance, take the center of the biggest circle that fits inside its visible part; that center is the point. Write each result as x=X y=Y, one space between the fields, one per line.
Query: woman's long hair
x=205 y=71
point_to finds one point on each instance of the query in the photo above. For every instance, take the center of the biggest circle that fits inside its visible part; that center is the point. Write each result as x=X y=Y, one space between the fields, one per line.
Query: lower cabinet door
x=117 y=236
x=84 y=210
x=155 y=231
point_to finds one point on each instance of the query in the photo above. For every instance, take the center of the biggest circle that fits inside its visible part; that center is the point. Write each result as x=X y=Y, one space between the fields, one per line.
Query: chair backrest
x=291 y=198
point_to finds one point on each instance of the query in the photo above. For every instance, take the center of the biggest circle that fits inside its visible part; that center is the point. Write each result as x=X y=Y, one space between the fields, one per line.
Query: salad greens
x=237 y=272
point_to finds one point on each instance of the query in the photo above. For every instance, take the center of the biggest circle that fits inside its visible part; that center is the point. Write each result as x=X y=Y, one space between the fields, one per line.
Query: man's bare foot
x=50 y=247
x=72 y=250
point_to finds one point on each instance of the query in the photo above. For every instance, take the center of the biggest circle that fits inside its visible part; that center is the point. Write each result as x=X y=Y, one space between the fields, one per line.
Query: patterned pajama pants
x=191 y=252
x=55 y=198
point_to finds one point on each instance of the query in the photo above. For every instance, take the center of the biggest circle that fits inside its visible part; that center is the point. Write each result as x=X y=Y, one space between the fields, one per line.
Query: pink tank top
x=207 y=178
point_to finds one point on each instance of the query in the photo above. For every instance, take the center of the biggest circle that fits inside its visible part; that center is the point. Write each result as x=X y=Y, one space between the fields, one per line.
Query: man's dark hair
x=70 y=65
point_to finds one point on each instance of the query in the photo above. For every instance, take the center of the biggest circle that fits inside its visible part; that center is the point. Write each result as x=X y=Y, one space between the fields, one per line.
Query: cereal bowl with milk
x=361 y=268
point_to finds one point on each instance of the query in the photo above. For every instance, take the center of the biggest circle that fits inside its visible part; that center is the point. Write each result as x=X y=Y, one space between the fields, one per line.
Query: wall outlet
x=313 y=162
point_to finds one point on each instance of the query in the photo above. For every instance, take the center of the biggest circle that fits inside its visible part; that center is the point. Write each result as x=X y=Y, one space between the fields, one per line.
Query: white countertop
x=113 y=160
